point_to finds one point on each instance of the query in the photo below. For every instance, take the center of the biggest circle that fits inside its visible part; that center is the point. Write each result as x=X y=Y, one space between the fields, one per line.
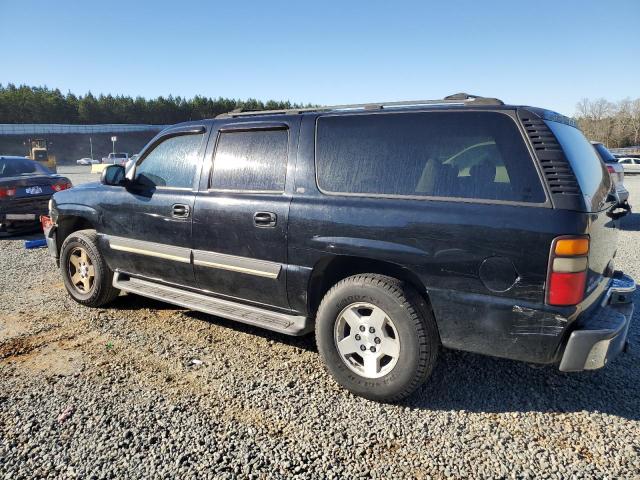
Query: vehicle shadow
x=136 y=302
x=479 y=384
x=630 y=222
x=305 y=342
x=475 y=383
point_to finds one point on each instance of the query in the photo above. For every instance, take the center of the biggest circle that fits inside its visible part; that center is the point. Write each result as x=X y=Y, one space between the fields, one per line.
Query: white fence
x=44 y=128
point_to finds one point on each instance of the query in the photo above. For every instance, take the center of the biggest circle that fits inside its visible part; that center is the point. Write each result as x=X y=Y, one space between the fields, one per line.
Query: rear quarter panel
x=445 y=245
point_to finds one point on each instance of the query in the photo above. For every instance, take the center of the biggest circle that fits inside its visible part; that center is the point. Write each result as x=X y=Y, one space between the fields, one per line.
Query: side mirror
x=130 y=168
x=113 y=175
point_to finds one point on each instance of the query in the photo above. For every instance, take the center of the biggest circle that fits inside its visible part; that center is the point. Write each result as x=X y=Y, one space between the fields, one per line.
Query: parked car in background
x=630 y=165
x=25 y=189
x=116 y=158
x=389 y=229
x=87 y=161
x=614 y=168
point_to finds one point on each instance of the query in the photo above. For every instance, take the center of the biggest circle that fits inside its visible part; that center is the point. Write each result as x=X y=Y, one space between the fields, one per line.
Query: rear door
x=147 y=225
x=241 y=212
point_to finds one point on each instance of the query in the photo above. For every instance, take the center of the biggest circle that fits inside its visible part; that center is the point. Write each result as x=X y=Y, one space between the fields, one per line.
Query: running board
x=259 y=317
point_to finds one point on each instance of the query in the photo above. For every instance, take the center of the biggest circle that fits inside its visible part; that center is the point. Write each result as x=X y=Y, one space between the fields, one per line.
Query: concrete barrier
x=99 y=167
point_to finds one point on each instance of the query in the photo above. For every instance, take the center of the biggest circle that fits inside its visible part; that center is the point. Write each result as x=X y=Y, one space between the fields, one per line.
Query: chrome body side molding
x=203 y=258
x=151 y=249
x=233 y=263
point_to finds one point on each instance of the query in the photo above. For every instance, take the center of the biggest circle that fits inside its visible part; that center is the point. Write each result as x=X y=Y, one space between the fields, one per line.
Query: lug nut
x=363 y=348
x=377 y=340
x=362 y=329
x=372 y=330
x=358 y=337
x=373 y=349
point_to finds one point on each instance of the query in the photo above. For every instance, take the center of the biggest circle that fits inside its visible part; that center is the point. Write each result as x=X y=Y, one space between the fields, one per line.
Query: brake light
x=6 y=192
x=610 y=169
x=567 y=277
x=58 y=187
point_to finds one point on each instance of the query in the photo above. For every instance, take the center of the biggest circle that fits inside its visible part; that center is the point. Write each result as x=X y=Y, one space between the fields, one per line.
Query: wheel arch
x=330 y=270
x=67 y=224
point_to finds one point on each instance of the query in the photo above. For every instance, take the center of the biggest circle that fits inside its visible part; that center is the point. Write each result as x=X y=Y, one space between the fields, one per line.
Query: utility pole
x=91 y=146
x=113 y=140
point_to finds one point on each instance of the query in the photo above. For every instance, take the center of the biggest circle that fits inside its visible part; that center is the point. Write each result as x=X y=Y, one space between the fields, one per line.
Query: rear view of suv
x=392 y=230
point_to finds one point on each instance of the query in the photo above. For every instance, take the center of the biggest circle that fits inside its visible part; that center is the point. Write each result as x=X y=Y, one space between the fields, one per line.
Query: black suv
x=391 y=229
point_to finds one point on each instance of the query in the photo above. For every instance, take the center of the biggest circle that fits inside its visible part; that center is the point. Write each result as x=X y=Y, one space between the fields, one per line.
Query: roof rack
x=455 y=99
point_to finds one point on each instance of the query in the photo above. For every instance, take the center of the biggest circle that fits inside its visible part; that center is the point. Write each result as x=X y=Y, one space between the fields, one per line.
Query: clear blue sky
x=544 y=53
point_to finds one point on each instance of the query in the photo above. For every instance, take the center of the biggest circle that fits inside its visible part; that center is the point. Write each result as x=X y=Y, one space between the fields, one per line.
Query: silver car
x=630 y=165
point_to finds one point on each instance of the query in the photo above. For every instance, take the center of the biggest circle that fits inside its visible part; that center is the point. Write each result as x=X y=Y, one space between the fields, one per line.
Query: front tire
x=85 y=273
x=377 y=337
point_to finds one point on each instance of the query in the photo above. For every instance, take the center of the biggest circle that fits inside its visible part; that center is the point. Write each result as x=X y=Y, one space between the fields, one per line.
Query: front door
x=241 y=212
x=147 y=226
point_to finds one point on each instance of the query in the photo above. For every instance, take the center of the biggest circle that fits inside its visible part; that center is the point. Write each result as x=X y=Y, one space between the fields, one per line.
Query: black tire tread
x=419 y=313
x=106 y=291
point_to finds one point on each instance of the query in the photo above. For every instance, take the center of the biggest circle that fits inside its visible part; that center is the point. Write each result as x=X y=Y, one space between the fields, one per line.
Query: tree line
x=25 y=104
x=616 y=124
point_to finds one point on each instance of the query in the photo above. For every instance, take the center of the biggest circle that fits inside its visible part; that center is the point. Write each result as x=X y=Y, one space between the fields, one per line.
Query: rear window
x=475 y=155
x=11 y=167
x=584 y=160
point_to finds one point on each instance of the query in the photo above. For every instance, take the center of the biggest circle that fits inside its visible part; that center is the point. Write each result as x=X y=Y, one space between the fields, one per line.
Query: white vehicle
x=116 y=158
x=87 y=161
x=630 y=165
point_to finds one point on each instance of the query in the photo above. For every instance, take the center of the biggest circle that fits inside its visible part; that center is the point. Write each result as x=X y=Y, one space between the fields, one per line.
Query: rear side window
x=172 y=163
x=475 y=155
x=10 y=167
x=251 y=160
x=584 y=160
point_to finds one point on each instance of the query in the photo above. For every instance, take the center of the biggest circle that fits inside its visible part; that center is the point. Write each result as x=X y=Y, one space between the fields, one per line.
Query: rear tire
x=377 y=337
x=86 y=275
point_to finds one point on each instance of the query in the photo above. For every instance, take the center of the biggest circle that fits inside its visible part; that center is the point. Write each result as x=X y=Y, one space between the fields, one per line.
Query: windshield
x=12 y=167
x=605 y=155
x=120 y=155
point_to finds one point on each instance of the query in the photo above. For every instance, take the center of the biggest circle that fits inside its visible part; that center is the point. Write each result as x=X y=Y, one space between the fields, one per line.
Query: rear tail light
x=58 y=187
x=6 y=192
x=610 y=169
x=568 y=264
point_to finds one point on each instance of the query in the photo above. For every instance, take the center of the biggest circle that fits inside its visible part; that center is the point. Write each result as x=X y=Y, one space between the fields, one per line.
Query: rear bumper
x=16 y=227
x=603 y=334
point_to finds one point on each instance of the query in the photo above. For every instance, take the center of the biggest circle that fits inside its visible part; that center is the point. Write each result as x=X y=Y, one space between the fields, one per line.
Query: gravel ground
x=114 y=393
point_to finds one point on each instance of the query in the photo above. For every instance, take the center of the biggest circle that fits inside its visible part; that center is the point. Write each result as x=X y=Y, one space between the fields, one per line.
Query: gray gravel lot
x=113 y=393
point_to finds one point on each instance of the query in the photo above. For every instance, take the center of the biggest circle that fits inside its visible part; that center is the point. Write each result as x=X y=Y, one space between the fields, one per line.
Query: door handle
x=265 y=219
x=179 y=210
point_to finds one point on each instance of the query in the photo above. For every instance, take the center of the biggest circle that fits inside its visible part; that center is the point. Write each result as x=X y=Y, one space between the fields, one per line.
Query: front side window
x=477 y=155
x=251 y=160
x=172 y=163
